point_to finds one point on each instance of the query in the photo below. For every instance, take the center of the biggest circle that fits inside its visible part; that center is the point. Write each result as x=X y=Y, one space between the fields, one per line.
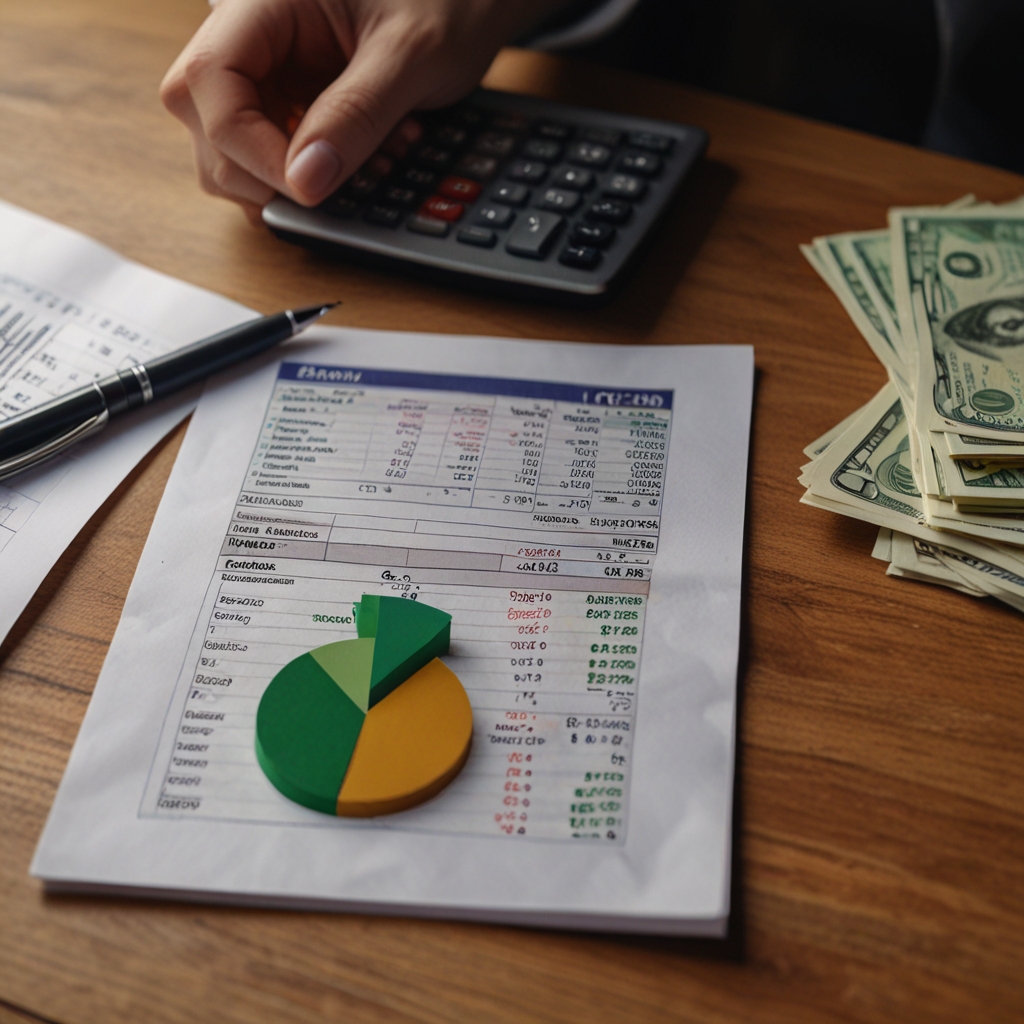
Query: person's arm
x=292 y=96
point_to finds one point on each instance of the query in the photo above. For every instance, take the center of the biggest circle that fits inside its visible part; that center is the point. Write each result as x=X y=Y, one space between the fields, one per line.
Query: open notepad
x=579 y=512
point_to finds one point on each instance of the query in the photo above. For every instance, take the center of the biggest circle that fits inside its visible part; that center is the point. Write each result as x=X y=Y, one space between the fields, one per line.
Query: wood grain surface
x=879 y=828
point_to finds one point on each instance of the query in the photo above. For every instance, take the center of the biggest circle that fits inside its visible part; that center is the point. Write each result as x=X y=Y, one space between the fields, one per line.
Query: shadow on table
x=657 y=274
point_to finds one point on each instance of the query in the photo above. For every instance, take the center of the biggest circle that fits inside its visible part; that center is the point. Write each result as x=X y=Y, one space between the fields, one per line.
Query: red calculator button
x=459 y=188
x=443 y=209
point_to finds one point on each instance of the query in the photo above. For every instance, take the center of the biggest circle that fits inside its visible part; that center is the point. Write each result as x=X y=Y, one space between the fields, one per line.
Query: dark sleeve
x=977 y=112
x=578 y=23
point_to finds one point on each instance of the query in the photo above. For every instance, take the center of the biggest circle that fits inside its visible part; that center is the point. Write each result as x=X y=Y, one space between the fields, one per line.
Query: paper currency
x=959 y=283
x=943 y=476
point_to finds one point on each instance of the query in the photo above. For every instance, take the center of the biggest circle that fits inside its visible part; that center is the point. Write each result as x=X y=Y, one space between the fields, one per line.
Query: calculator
x=509 y=194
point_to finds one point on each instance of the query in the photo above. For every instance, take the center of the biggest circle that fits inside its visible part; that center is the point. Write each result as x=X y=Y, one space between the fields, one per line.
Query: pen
x=41 y=433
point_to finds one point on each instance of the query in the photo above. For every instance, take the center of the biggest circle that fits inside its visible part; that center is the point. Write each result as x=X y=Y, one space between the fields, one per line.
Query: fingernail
x=315 y=170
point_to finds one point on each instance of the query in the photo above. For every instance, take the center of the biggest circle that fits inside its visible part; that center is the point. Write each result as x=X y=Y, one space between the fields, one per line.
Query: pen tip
x=304 y=317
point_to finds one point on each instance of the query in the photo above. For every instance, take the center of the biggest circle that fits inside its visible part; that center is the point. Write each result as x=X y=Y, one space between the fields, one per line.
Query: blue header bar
x=342 y=376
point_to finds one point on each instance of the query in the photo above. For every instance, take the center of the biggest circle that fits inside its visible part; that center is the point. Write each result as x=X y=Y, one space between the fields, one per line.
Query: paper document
x=72 y=311
x=563 y=504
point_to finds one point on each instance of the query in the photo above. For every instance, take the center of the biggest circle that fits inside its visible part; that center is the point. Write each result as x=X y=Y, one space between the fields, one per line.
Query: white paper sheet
x=72 y=311
x=341 y=466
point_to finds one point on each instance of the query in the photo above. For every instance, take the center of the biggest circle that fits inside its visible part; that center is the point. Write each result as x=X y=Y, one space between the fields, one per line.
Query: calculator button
x=360 y=186
x=400 y=196
x=559 y=199
x=542 y=149
x=428 y=226
x=385 y=216
x=650 y=141
x=532 y=171
x=509 y=122
x=640 y=163
x=473 y=165
x=611 y=211
x=450 y=135
x=553 y=131
x=477 y=236
x=417 y=177
x=602 y=136
x=459 y=188
x=339 y=206
x=588 y=154
x=583 y=256
x=576 y=178
x=470 y=116
x=433 y=157
x=533 y=235
x=495 y=216
x=597 y=235
x=495 y=144
x=624 y=186
x=443 y=209
x=511 y=195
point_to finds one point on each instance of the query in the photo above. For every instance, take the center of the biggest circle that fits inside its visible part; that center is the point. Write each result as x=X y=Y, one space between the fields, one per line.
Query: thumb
x=350 y=119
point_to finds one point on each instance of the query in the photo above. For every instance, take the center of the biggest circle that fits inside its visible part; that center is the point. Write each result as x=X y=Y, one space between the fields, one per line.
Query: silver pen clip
x=51 y=448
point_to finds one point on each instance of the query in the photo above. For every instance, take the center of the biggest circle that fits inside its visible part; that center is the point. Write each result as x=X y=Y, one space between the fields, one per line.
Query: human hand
x=293 y=96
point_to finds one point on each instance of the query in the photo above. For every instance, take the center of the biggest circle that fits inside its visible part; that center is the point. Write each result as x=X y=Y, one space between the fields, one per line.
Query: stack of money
x=936 y=458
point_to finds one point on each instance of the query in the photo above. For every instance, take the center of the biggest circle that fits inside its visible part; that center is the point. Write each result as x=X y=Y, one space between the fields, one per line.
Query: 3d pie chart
x=371 y=725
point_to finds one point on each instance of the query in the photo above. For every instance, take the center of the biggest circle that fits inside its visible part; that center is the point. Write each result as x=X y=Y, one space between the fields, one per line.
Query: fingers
x=229 y=55
x=220 y=177
x=354 y=115
x=216 y=173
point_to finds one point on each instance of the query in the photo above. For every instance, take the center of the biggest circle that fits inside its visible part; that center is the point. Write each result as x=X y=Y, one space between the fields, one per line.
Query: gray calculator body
x=511 y=194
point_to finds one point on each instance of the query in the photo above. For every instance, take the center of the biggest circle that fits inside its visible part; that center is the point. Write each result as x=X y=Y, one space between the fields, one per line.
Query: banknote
x=988 y=488
x=959 y=283
x=943 y=477
x=834 y=259
x=982 y=450
x=857 y=266
x=866 y=473
x=817 y=447
x=915 y=559
x=981 y=573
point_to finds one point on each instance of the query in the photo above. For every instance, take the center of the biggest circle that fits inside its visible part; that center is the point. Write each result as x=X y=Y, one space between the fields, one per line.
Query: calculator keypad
x=520 y=188
x=549 y=167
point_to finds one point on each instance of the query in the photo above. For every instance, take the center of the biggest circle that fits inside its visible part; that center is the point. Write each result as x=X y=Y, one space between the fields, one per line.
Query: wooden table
x=878 y=860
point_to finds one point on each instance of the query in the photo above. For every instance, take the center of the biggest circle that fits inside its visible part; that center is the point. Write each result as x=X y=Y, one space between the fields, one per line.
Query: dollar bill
x=989 y=488
x=959 y=283
x=818 y=446
x=883 y=545
x=980 y=573
x=944 y=482
x=866 y=473
x=977 y=576
x=982 y=450
x=918 y=560
x=857 y=266
x=833 y=257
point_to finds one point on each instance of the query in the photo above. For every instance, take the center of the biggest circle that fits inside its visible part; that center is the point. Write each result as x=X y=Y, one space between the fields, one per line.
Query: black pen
x=41 y=433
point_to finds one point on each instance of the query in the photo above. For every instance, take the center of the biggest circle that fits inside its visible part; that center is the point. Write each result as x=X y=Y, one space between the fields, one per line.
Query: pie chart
x=371 y=725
